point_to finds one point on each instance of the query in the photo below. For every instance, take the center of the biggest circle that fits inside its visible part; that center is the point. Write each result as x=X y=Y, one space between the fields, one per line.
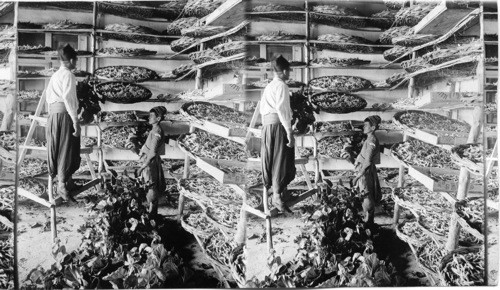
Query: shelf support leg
x=269 y=234
x=53 y=228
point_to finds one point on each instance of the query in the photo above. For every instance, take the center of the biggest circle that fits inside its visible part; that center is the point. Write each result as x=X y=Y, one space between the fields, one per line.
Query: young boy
x=151 y=168
x=63 y=127
x=366 y=173
x=278 y=154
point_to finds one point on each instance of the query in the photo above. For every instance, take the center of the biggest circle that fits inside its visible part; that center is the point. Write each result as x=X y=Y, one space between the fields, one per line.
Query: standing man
x=278 y=155
x=63 y=127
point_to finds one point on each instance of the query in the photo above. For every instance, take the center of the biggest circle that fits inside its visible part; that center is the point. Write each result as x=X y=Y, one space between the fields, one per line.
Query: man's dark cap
x=66 y=52
x=280 y=64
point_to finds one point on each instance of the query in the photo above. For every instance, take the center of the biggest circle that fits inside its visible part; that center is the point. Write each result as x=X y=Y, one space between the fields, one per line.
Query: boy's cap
x=374 y=120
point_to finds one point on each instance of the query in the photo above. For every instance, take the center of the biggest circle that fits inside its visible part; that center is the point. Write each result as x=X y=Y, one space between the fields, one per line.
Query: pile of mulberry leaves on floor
x=122 y=247
x=335 y=249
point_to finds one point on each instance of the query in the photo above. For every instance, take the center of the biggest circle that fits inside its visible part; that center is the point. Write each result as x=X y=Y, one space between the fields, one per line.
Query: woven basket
x=396 y=4
x=183 y=43
x=449 y=258
x=139 y=12
x=382 y=19
x=340 y=84
x=175 y=27
x=338 y=102
x=342 y=42
x=228 y=229
x=201 y=8
x=277 y=36
x=336 y=16
x=456 y=71
x=123 y=98
x=414 y=65
x=396 y=119
x=274 y=7
x=405 y=238
x=278 y=12
x=395 y=52
x=472 y=167
x=415 y=209
x=395 y=79
x=388 y=35
x=6 y=7
x=183 y=69
x=411 y=40
x=111 y=51
x=436 y=237
x=135 y=38
x=444 y=55
x=411 y=16
x=66 y=24
x=148 y=74
x=230 y=48
x=339 y=62
x=202 y=31
x=195 y=231
x=130 y=28
x=432 y=275
x=221 y=265
x=203 y=56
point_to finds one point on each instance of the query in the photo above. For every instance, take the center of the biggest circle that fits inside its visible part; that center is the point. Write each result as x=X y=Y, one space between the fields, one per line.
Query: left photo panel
x=8 y=141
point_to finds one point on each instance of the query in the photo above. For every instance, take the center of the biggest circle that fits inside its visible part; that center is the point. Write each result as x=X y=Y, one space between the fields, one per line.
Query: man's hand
x=77 y=128
x=291 y=140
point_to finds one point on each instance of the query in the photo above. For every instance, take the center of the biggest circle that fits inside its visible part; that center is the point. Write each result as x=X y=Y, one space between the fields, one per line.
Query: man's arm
x=285 y=112
x=71 y=100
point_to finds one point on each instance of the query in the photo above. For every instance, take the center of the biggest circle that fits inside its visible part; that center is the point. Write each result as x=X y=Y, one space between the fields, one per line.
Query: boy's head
x=68 y=56
x=371 y=124
x=281 y=67
x=157 y=114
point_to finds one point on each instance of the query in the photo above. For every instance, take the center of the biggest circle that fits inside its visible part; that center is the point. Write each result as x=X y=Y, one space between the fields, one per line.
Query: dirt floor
x=34 y=242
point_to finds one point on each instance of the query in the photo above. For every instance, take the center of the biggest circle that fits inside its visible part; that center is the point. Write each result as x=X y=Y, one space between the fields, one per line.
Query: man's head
x=67 y=56
x=157 y=114
x=281 y=67
x=371 y=124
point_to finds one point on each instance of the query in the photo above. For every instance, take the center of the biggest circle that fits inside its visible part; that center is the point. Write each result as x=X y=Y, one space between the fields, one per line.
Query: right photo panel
x=392 y=106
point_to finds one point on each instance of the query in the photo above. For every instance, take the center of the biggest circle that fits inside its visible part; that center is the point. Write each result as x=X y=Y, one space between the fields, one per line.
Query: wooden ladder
x=267 y=214
x=37 y=121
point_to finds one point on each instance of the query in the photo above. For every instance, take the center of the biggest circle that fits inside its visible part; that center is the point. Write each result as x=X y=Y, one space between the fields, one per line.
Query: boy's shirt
x=370 y=152
x=155 y=143
x=276 y=99
x=62 y=88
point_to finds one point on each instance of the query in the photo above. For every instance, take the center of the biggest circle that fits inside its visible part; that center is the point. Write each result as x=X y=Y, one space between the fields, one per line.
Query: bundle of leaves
x=302 y=111
x=88 y=102
x=122 y=247
x=335 y=249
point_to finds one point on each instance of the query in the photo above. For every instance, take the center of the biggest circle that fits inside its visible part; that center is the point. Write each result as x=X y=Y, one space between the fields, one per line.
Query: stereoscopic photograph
x=248 y=144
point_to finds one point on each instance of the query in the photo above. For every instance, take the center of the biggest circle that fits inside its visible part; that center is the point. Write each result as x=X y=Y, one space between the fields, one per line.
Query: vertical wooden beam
x=53 y=221
x=269 y=232
x=199 y=80
x=241 y=233
x=17 y=129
